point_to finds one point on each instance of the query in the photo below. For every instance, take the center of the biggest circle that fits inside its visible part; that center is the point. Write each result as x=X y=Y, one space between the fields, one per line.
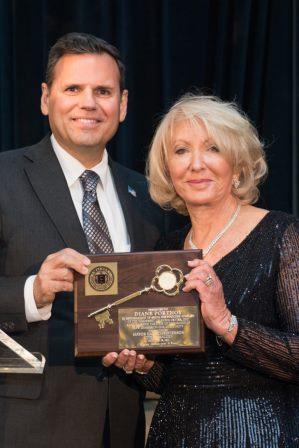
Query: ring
x=128 y=372
x=208 y=281
x=140 y=372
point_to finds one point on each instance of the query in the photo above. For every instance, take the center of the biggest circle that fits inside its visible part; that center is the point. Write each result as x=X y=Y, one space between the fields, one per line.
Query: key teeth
x=103 y=318
x=102 y=325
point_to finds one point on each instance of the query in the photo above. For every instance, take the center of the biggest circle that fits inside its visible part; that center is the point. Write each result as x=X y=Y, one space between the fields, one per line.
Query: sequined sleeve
x=154 y=381
x=276 y=352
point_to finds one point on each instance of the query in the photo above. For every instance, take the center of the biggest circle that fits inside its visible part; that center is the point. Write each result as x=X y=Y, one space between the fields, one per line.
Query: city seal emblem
x=101 y=278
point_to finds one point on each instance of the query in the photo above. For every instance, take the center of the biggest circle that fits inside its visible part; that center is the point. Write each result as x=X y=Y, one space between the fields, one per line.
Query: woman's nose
x=197 y=160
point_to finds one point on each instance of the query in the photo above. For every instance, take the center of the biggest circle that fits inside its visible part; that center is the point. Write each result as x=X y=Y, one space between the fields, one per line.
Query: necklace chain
x=218 y=236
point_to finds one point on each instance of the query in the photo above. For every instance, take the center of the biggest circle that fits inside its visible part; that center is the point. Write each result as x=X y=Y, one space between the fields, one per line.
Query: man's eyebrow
x=105 y=86
x=71 y=84
x=97 y=86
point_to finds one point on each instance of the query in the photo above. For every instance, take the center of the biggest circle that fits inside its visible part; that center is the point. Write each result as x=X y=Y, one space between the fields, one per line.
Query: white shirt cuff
x=32 y=313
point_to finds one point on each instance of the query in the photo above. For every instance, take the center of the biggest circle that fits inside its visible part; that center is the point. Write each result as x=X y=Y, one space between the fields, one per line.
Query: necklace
x=218 y=236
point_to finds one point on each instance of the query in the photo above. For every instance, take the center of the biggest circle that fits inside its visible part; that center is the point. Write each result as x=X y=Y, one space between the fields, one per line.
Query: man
x=49 y=219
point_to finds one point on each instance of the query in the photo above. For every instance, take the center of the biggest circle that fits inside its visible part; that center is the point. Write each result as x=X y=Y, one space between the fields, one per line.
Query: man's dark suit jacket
x=66 y=406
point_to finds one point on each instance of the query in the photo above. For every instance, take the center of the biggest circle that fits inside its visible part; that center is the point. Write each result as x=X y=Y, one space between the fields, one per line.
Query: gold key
x=103 y=319
x=167 y=280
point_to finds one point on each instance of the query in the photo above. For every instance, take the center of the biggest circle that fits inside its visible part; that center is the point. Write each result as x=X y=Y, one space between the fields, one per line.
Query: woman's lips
x=199 y=181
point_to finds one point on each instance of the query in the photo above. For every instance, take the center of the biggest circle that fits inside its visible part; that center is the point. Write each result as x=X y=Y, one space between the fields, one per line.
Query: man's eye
x=72 y=89
x=103 y=92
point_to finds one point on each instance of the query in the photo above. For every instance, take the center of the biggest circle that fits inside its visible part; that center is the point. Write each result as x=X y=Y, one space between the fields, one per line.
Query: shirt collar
x=72 y=168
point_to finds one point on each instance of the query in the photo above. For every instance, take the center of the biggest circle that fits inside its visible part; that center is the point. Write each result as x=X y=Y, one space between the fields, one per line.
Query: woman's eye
x=180 y=151
x=213 y=148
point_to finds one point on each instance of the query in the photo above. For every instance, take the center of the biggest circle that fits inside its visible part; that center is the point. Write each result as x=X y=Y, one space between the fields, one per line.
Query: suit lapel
x=47 y=180
x=128 y=202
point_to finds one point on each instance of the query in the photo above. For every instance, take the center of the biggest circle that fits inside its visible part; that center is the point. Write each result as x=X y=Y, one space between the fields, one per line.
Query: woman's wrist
x=229 y=331
x=221 y=324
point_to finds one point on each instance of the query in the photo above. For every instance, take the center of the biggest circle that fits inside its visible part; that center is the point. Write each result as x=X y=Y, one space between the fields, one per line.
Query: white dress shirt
x=110 y=207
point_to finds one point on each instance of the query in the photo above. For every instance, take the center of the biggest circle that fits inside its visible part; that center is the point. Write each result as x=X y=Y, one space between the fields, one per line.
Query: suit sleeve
x=12 y=306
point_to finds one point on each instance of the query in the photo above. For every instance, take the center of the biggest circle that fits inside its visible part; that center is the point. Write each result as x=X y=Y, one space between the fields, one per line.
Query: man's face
x=84 y=103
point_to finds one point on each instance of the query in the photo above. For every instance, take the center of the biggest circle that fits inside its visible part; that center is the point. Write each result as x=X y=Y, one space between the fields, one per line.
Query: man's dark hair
x=82 y=43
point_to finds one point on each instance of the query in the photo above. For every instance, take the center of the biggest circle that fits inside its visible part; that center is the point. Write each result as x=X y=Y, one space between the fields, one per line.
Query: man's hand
x=129 y=361
x=56 y=274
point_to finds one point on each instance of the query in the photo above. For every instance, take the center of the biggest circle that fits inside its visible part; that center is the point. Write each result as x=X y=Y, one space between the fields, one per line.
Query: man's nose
x=87 y=99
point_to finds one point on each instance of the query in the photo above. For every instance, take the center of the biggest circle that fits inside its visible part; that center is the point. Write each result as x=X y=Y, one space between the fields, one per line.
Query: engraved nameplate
x=166 y=327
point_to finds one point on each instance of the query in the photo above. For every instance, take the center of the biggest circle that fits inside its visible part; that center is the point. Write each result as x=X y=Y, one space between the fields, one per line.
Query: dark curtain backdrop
x=243 y=50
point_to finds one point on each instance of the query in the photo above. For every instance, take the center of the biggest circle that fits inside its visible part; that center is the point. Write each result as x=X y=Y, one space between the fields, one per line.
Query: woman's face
x=199 y=172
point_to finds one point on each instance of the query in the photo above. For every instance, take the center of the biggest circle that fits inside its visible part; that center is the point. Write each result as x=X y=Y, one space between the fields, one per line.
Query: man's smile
x=87 y=122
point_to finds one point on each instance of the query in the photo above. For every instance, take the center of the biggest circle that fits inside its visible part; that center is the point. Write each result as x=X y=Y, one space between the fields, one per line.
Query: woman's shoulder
x=282 y=220
x=269 y=217
x=276 y=225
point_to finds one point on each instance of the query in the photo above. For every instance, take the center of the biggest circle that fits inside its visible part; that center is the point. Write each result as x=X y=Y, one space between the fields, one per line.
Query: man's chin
x=88 y=144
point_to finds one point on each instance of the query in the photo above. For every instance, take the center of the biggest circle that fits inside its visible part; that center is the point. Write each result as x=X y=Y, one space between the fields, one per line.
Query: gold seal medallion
x=101 y=279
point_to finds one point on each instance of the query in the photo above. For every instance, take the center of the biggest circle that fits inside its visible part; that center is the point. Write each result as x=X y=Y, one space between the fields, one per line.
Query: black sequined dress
x=245 y=395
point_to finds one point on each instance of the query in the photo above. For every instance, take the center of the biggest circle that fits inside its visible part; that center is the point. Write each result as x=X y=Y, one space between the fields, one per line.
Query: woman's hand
x=214 y=311
x=129 y=361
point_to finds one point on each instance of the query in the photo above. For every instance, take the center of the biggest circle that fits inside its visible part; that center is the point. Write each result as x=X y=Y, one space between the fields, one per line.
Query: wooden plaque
x=162 y=319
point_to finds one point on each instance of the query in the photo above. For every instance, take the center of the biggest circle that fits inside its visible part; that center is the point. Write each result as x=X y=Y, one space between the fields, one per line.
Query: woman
x=206 y=161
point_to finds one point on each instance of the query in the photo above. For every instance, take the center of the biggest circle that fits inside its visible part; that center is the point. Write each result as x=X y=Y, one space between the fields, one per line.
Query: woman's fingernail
x=141 y=357
x=126 y=352
x=114 y=355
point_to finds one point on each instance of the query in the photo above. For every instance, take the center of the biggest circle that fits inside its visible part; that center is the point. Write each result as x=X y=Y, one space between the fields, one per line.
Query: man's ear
x=44 y=99
x=123 y=105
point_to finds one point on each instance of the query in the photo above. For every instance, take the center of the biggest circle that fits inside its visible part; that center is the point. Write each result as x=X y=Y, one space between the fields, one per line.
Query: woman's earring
x=236 y=183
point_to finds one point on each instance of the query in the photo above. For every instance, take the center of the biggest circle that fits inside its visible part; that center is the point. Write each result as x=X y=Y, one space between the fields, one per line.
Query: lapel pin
x=132 y=191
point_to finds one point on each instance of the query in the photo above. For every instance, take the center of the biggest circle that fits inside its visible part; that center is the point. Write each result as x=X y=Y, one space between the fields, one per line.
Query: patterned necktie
x=94 y=224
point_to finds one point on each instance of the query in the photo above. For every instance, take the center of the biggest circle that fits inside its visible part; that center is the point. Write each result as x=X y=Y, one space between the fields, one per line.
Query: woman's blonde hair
x=231 y=132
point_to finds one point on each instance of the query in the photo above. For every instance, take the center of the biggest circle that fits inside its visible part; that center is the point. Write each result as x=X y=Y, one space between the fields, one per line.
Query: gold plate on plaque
x=166 y=327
